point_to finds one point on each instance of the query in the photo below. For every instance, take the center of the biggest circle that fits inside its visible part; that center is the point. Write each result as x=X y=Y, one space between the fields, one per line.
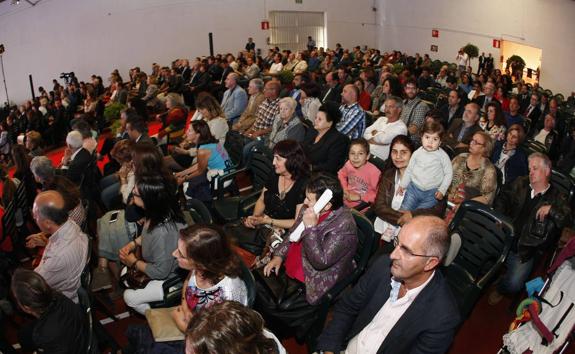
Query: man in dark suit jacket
x=76 y=159
x=453 y=109
x=483 y=100
x=332 y=90
x=413 y=312
x=461 y=130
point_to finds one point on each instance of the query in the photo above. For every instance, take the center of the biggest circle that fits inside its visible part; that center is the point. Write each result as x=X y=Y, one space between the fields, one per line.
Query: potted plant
x=471 y=50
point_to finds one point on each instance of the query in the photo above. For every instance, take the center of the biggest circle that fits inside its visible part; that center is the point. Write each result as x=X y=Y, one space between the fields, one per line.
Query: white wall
x=547 y=24
x=97 y=36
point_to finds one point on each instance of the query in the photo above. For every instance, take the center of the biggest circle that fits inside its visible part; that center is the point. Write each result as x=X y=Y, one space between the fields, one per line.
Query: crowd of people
x=348 y=121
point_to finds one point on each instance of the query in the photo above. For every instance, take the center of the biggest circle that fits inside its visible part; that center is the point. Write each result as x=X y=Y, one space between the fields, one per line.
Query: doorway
x=290 y=29
x=531 y=56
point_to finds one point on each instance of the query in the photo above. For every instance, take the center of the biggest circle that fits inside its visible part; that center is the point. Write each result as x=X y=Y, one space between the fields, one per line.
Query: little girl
x=358 y=177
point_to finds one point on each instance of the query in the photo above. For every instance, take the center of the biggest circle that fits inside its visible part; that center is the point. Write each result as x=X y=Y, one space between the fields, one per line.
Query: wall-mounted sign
x=434 y=33
x=496 y=43
x=265 y=25
x=433 y=48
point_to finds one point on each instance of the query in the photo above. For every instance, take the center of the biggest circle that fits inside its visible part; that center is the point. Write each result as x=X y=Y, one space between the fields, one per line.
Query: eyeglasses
x=475 y=142
x=407 y=251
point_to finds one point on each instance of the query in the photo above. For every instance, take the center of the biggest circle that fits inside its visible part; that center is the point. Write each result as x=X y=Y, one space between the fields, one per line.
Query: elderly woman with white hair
x=286 y=125
x=174 y=121
x=76 y=158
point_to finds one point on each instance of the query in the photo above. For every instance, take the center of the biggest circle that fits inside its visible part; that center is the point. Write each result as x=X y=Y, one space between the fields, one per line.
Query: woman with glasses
x=474 y=176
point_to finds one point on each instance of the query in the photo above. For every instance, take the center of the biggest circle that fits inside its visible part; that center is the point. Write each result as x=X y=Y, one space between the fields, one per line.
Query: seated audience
x=364 y=99
x=387 y=203
x=326 y=147
x=33 y=144
x=538 y=211
x=309 y=100
x=162 y=220
x=229 y=327
x=390 y=86
x=23 y=173
x=358 y=177
x=380 y=134
x=214 y=276
x=313 y=264
x=452 y=109
x=213 y=114
x=287 y=124
x=495 y=124
x=459 y=134
x=474 y=176
x=76 y=159
x=248 y=117
x=267 y=111
x=88 y=142
x=416 y=313
x=117 y=187
x=509 y=157
x=211 y=158
x=235 y=98
x=352 y=121
x=413 y=112
x=59 y=325
x=66 y=246
x=277 y=203
x=332 y=91
x=137 y=130
x=429 y=172
x=513 y=116
x=548 y=136
x=174 y=120
x=45 y=175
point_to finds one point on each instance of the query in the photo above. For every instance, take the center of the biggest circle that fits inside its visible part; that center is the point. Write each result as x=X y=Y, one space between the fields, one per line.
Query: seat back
x=486 y=238
x=563 y=183
x=200 y=213
x=84 y=301
x=367 y=241
x=261 y=167
x=377 y=162
x=250 y=282
x=530 y=146
x=234 y=146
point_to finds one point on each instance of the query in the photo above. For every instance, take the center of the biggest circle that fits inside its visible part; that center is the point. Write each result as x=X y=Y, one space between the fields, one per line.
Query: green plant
x=112 y=112
x=397 y=68
x=285 y=77
x=471 y=50
x=516 y=58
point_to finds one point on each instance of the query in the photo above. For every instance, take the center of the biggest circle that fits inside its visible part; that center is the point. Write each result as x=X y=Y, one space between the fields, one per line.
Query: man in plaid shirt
x=267 y=111
x=414 y=111
x=352 y=121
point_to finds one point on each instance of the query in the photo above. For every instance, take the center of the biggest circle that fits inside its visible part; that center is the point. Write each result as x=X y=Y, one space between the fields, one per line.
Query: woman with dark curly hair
x=275 y=208
x=229 y=327
x=494 y=122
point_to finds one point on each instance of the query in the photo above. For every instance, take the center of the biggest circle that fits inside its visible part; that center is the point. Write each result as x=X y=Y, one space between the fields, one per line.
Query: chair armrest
x=248 y=202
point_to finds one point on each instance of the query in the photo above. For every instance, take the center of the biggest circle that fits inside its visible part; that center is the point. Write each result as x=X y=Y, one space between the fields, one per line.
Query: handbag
x=132 y=278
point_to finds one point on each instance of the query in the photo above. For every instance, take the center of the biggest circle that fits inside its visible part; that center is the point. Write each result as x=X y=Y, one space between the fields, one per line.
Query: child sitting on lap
x=429 y=172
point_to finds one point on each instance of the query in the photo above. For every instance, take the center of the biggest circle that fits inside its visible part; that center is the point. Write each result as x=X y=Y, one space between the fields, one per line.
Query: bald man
x=66 y=245
x=402 y=304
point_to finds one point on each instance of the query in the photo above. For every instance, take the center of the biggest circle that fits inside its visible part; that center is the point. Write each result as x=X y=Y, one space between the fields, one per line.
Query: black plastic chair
x=367 y=244
x=564 y=183
x=531 y=146
x=378 y=162
x=200 y=213
x=486 y=238
x=260 y=168
x=85 y=304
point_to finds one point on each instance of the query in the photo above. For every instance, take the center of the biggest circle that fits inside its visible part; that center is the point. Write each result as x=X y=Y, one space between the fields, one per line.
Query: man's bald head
x=437 y=239
x=50 y=206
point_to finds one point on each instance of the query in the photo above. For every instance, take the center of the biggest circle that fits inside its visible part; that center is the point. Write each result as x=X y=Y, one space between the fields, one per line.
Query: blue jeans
x=516 y=275
x=416 y=198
